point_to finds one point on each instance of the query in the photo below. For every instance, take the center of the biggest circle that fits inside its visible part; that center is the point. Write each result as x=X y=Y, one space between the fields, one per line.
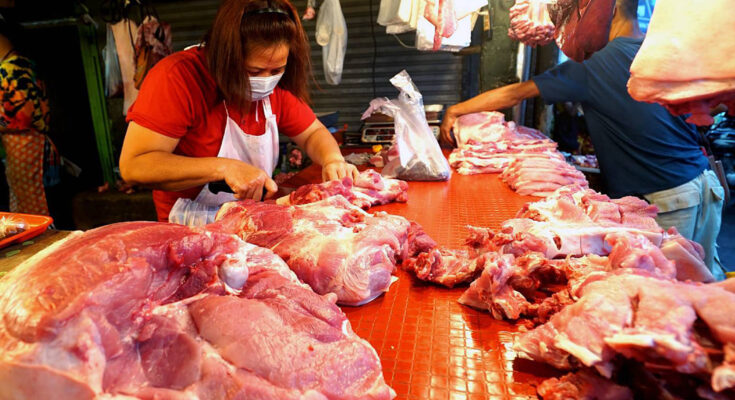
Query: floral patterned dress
x=24 y=122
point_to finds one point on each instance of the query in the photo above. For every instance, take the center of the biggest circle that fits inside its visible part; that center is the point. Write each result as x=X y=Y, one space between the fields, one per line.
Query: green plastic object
x=97 y=103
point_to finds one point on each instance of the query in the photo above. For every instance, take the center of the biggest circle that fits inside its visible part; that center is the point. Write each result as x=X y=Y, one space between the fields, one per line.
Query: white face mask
x=262 y=87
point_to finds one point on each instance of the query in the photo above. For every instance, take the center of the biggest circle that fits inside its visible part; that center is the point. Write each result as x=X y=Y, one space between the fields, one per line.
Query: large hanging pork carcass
x=582 y=26
x=686 y=62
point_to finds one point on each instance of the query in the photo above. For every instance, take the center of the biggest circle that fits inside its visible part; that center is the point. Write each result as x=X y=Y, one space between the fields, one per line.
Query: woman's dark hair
x=239 y=28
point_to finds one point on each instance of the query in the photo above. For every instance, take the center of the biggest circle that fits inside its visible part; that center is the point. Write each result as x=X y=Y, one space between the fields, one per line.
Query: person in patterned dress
x=24 y=123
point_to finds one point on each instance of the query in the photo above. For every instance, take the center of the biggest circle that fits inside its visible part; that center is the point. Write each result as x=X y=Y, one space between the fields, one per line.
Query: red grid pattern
x=431 y=347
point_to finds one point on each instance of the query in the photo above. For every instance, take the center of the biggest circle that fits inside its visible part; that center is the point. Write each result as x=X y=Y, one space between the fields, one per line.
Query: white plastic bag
x=190 y=213
x=113 y=78
x=331 y=34
x=394 y=12
x=415 y=153
x=404 y=24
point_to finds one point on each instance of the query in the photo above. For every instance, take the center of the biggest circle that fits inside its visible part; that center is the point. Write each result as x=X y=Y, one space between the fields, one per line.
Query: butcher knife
x=222 y=186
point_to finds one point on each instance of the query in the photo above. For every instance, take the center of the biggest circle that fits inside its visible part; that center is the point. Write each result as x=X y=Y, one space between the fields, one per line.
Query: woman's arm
x=147 y=159
x=321 y=147
x=496 y=99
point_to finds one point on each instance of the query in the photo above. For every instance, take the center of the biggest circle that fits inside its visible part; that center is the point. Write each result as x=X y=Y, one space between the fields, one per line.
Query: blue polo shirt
x=641 y=147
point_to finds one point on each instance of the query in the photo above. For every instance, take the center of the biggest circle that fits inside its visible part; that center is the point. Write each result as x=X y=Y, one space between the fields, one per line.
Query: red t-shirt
x=179 y=99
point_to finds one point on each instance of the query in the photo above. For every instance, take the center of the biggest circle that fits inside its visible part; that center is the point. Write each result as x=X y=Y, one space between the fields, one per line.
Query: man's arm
x=492 y=100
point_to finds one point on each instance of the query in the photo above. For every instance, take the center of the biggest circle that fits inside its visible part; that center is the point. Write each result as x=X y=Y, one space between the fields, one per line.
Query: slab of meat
x=491 y=127
x=149 y=310
x=674 y=68
x=370 y=189
x=331 y=245
x=530 y=23
x=577 y=204
x=535 y=287
x=639 y=317
x=582 y=385
x=445 y=267
x=541 y=177
x=488 y=144
x=582 y=26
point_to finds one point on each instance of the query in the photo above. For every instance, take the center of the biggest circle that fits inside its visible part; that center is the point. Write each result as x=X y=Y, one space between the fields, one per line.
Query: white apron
x=258 y=151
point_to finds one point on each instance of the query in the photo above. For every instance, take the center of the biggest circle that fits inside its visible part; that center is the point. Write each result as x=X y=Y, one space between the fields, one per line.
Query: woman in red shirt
x=214 y=112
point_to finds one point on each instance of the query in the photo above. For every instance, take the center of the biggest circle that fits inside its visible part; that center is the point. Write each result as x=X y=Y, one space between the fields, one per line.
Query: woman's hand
x=247 y=181
x=338 y=169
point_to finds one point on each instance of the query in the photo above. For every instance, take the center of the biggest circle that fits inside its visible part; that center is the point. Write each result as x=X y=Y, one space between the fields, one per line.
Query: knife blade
x=222 y=186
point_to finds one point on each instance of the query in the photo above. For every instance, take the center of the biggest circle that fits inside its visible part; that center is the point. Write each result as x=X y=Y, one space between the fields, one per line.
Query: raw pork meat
x=149 y=310
x=553 y=239
x=530 y=23
x=370 y=189
x=575 y=203
x=541 y=177
x=331 y=245
x=638 y=317
x=582 y=385
x=684 y=69
x=535 y=287
x=582 y=26
x=445 y=267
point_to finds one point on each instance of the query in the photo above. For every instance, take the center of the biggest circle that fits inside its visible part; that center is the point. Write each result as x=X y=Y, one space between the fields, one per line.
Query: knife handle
x=222 y=186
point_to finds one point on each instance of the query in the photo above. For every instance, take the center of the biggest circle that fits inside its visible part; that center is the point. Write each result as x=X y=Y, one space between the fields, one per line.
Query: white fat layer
x=584 y=355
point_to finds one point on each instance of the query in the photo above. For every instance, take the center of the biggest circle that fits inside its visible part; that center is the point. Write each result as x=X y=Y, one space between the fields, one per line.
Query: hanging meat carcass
x=582 y=26
x=685 y=62
x=530 y=23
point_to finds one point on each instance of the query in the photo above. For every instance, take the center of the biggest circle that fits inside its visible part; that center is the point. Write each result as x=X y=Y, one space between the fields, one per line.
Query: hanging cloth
x=331 y=34
x=152 y=44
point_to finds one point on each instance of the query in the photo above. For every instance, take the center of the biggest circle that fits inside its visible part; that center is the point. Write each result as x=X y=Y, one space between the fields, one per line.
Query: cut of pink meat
x=639 y=317
x=541 y=176
x=688 y=256
x=492 y=290
x=583 y=385
x=445 y=267
x=525 y=281
x=331 y=245
x=150 y=310
x=370 y=189
x=674 y=69
x=582 y=27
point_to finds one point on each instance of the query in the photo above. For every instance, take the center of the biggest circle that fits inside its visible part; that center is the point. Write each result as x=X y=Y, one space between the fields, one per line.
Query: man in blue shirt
x=642 y=149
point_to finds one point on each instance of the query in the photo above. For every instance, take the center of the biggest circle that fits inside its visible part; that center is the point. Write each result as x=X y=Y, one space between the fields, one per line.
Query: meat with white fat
x=150 y=310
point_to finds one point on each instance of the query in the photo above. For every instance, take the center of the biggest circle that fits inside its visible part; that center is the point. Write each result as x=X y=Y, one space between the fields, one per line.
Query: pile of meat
x=685 y=69
x=149 y=310
x=541 y=177
x=530 y=23
x=332 y=245
x=582 y=26
x=529 y=161
x=603 y=287
x=369 y=189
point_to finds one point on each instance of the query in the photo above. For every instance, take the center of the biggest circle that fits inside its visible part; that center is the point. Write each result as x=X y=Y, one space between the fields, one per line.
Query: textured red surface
x=431 y=347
